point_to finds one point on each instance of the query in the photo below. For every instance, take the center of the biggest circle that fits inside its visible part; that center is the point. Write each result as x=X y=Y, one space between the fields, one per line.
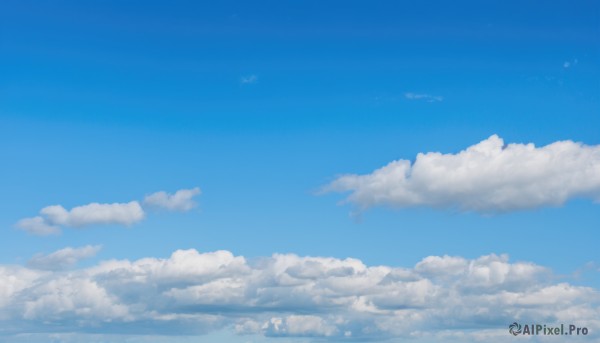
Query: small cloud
x=52 y=218
x=590 y=267
x=37 y=226
x=249 y=79
x=182 y=200
x=571 y=63
x=424 y=97
x=93 y=214
x=63 y=258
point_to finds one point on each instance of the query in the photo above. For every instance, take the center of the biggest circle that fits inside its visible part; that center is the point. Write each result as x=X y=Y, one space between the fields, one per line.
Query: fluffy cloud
x=440 y=298
x=52 y=218
x=94 y=214
x=182 y=200
x=488 y=177
x=63 y=258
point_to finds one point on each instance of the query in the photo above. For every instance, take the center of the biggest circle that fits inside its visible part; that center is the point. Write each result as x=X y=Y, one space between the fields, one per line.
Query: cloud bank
x=488 y=177
x=52 y=218
x=285 y=295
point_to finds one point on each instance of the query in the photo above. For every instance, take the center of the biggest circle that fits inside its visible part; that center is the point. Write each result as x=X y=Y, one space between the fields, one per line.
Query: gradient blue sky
x=261 y=104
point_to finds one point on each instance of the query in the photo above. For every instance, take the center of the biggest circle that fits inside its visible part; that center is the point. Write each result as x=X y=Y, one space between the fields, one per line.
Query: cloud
x=52 y=218
x=568 y=64
x=488 y=177
x=94 y=214
x=425 y=97
x=182 y=200
x=63 y=258
x=249 y=79
x=37 y=226
x=285 y=295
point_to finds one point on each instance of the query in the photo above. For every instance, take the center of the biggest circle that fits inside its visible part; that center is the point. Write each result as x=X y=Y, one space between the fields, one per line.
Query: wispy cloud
x=423 y=97
x=488 y=177
x=571 y=63
x=52 y=218
x=182 y=200
x=249 y=79
x=63 y=258
x=38 y=226
x=285 y=295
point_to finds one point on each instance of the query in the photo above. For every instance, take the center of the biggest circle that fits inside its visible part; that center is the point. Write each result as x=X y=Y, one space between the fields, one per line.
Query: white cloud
x=299 y=325
x=37 y=226
x=249 y=79
x=63 y=258
x=182 y=200
x=94 y=214
x=424 y=97
x=488 y=177
x=441 y=298
x=52 y=218
x=14 y=280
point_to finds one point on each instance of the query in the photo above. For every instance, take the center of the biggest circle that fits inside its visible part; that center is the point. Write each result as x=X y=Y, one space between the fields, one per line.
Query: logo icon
x=514 y=328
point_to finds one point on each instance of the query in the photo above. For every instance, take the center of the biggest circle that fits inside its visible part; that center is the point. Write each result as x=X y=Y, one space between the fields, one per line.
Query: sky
x=298 y=171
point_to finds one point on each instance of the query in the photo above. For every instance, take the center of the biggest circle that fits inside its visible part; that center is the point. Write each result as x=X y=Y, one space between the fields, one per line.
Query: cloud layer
x=52 y=218
x=285 y=295
x=488 y=177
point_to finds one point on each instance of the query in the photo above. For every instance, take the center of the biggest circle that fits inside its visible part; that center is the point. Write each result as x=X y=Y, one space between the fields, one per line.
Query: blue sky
x=261 y=105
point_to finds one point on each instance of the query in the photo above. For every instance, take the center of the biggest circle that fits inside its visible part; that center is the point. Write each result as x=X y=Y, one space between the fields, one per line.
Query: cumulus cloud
x=182 y=200
x=52 y=218
x=488 y=177
x=285 y=295
x=63 y=258
x=94 y=214
x=424 y=97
